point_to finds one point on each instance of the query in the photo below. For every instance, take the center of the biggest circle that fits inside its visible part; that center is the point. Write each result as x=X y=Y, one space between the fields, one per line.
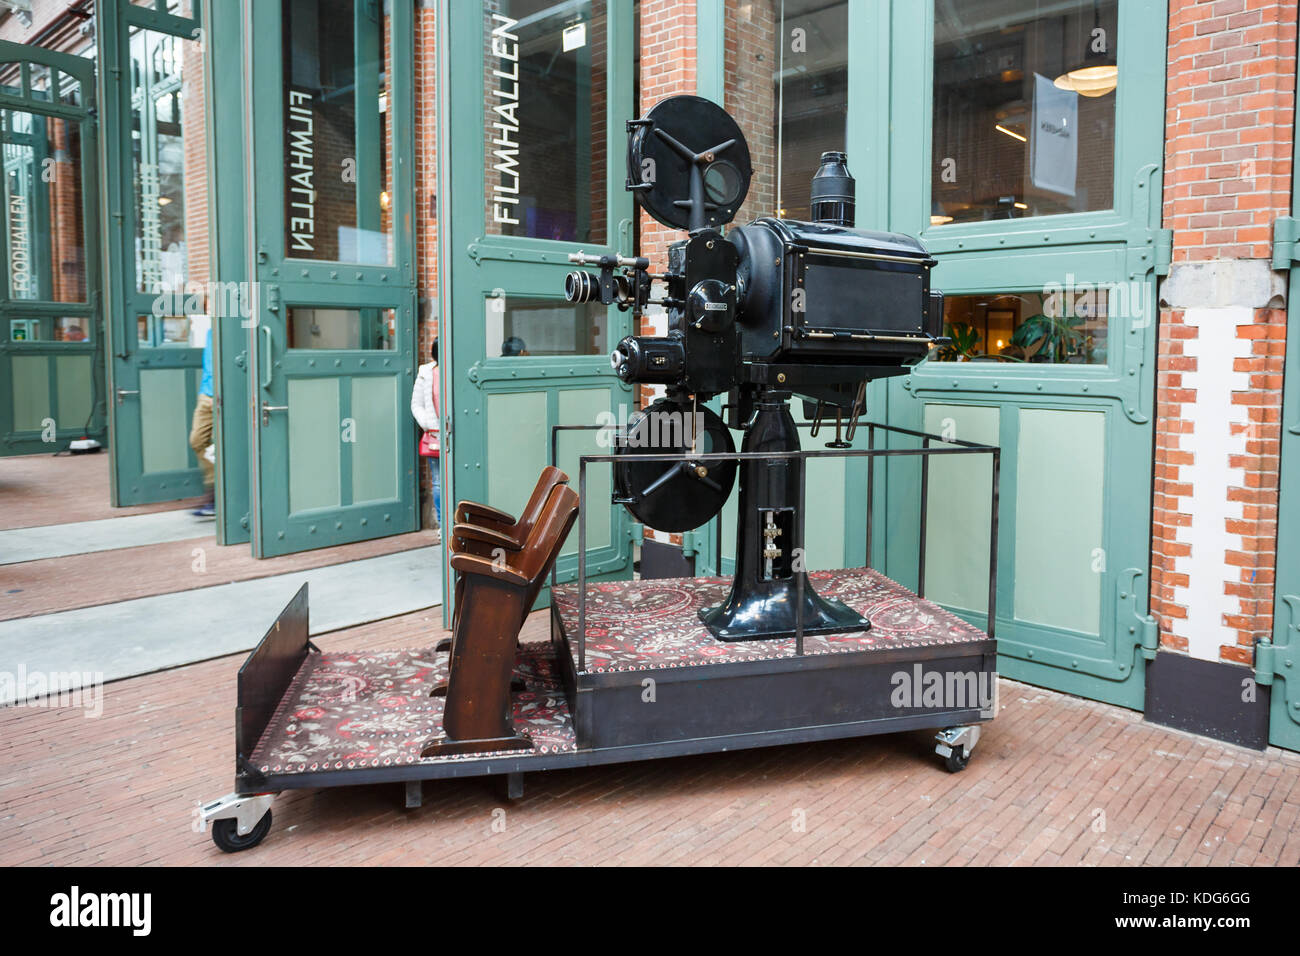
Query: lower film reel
x=674 y=496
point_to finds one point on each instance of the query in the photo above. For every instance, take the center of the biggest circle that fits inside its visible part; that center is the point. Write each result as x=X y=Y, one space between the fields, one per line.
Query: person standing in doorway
x=424 y=406
x=201 y=435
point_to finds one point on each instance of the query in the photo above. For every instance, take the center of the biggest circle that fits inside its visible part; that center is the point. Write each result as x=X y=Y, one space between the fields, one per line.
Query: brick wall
x=1229 y=128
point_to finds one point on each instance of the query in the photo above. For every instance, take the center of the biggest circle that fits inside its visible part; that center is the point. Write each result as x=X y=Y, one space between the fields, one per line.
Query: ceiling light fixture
x=1098 y=74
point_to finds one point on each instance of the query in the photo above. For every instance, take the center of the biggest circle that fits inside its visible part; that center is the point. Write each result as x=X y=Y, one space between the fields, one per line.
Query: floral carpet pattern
x=352 y=710
x=639 y=625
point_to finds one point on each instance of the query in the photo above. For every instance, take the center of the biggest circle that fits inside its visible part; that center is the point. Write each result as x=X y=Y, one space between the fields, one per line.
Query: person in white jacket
x=424 y=406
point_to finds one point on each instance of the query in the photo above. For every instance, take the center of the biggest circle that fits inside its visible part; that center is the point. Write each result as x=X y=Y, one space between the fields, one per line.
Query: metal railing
x=951 y=446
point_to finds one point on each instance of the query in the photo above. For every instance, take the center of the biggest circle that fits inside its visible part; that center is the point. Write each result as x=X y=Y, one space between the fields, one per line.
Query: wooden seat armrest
x=483 y=567
x=489 y=536
x=472 y=512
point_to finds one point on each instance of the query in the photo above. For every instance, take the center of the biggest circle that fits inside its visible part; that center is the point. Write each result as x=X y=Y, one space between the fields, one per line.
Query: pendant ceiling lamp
x=1098 y=73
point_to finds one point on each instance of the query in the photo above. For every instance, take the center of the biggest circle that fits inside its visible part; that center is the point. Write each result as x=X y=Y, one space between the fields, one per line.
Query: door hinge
x=1150 y=637
x=636 y=532
x=1273 y=659
x=1143 y=629
x=689 y=547
x=1164 y=250
x=1286 y=242
x=273 y=298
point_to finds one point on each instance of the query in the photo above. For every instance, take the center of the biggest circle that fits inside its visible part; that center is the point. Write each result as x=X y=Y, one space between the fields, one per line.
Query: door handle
x=268 y=409
x=122 y=393
x=269 y=369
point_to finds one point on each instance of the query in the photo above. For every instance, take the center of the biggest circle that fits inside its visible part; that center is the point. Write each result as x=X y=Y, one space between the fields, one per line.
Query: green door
x=1041 y=199
x=541 y=95
x=1277 y=664
x=155 y=139
x=330 y=196
x=51 y=333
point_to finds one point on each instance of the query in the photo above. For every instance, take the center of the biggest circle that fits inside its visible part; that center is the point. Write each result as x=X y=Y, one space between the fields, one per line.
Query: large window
x=337 y=174
x=787 y=86
x=544 y=111
x=1024 y=108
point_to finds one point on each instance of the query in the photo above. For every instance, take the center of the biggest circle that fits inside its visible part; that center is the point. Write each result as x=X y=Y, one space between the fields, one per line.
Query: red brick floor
x=1055 y=780
x=38 y=490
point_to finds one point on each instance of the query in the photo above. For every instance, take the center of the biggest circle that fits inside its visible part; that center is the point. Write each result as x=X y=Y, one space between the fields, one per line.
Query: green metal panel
x=1279 y=664
x=31 y=391
x=74 y=378
x=517 y=446
x=1060 y=623
x=314 y=479
x=959 y=486
x=585 y=405
x=1060 y=475
x=44 y=382
x=165 y=425
x=333 y=443
x=502 y=409
x=376 y=411
x=137 y=435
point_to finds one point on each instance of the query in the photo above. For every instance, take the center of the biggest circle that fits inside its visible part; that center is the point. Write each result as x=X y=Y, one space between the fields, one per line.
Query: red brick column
x=1229 y=127
x=667 y=38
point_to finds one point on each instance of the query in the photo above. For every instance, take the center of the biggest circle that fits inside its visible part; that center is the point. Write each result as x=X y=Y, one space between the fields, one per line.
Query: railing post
x=871 y=489
x=800 y=555
x=993 y=543
x=925 y=513
x=582 y=565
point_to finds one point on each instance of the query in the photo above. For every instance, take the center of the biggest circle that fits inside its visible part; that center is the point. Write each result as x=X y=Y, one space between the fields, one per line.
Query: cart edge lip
x=247 y=783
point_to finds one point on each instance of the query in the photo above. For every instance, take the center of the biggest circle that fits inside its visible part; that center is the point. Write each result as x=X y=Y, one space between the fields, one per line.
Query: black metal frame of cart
x=242 y=819
x=955 y=446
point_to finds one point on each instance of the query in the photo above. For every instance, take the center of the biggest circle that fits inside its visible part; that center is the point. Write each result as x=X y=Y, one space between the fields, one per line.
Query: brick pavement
x=38 y=490
x=1056 y=779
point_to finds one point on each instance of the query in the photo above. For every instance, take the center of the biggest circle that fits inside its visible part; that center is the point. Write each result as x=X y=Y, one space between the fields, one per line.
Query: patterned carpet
x=373 y=709
x=638 y=625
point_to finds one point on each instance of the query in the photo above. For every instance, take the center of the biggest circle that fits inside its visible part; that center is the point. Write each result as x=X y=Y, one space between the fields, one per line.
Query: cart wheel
x=225 y=834
x=957 y=760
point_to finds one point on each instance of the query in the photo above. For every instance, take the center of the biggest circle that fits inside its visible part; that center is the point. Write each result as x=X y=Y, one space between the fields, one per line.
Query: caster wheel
x=957 y=760
x=225 y=834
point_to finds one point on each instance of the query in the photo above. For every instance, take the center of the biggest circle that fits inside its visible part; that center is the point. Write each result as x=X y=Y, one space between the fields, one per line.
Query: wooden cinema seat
x=494 y=600
x=493 y=528
x=505 y=531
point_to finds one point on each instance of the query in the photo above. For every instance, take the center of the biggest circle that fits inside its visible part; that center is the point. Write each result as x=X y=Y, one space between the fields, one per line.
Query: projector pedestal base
x=767 y=610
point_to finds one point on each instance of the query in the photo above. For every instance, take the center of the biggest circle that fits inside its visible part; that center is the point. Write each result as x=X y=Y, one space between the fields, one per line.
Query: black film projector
x=773 y=309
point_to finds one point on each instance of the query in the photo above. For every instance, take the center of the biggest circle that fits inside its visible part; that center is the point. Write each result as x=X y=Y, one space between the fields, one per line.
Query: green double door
x=331 y=356
x=152 y=85
x=1042 y=205
x=52 y=385
x=539 y=95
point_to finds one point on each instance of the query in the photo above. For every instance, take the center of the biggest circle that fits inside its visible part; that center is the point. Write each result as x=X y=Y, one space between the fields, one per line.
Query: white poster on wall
x=1053 y=137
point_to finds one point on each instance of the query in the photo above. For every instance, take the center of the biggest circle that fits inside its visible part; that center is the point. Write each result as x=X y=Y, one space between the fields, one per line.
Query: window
x=520 y=326
x=786 y=84
x=1024 y=109
x=1062 y=324
x=544 y=112
x=347 y=329
x=337 y=171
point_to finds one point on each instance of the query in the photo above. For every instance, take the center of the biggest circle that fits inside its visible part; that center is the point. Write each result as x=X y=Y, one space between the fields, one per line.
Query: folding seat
x=495 y=596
